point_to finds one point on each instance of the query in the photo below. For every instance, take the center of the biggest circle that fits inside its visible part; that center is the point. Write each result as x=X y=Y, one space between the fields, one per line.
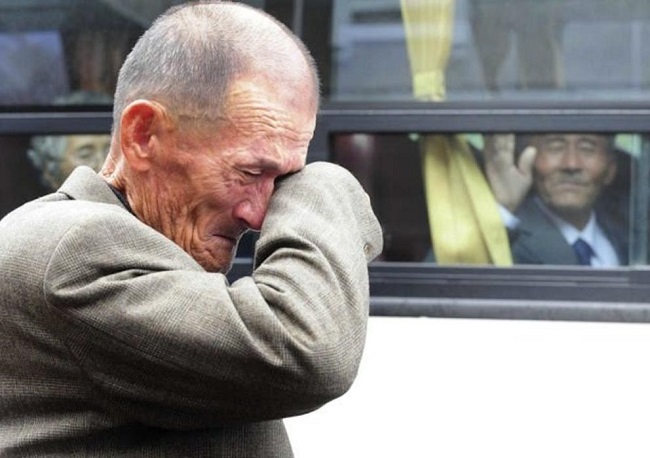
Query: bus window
x=503 y=199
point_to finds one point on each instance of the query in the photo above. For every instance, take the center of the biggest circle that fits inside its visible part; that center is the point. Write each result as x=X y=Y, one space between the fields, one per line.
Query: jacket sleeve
x=167 y=344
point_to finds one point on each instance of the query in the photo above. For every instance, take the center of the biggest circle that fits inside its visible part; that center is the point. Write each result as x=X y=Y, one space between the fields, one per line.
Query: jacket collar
x=84 y=184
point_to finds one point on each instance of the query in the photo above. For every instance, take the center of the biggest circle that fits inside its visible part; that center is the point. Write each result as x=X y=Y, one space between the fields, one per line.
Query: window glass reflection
x=32 y=69
x=51 y=48
x=478 y=50
x=490 y=49
x=505 y=199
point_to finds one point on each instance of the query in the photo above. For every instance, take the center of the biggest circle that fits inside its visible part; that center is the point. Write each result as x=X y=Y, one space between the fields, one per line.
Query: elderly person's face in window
x=58 y=156
x=89 y=150
x=571 y=170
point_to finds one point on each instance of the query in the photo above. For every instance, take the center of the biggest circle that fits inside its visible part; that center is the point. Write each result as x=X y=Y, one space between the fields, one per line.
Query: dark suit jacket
x=115 y=342
x=538 y=241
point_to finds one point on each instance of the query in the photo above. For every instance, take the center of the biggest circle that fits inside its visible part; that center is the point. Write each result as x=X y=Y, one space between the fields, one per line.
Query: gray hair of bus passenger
x=190 y=55
x=46 y=152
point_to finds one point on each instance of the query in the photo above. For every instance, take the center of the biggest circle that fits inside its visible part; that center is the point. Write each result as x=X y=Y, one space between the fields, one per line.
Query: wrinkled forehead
x=600 y=140
x=264 y=103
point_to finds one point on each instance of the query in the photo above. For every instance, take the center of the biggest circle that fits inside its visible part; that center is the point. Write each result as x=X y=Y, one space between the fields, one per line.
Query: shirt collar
x=121 y=197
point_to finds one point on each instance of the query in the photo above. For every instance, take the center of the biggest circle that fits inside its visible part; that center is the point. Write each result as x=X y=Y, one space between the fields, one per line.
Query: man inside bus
x=550 y=194
x=56 y=156
x=120 y=333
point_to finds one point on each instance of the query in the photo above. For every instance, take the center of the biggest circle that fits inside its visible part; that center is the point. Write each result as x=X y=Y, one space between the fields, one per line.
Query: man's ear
x=141 y=125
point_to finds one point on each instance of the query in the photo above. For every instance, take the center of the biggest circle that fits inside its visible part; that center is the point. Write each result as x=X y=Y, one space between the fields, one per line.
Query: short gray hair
x=189 y=56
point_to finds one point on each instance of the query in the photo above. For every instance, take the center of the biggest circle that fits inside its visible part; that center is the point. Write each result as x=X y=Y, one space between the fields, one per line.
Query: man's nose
x=572 y=159
x=252 y=210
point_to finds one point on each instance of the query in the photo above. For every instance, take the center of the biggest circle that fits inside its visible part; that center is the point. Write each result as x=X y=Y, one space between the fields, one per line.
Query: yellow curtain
x=465 y=224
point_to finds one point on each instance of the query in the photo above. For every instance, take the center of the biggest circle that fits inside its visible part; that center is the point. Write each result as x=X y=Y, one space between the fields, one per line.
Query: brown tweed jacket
x=115 y=342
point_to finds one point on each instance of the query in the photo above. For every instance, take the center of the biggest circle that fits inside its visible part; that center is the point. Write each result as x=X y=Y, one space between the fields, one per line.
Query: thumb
x=526 y=160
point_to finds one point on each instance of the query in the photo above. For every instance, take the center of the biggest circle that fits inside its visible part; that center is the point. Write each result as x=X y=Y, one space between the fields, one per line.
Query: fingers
x=526 y=160
x=500 y=146
x=504 y=143
x=508 y=178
